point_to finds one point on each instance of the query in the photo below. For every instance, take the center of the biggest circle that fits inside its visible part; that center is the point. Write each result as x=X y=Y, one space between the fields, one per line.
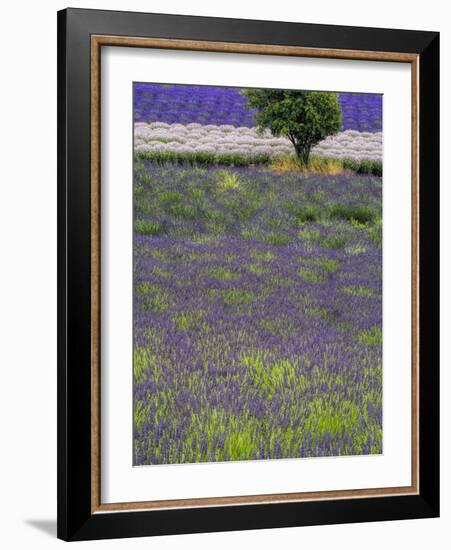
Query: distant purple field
x=224 y=105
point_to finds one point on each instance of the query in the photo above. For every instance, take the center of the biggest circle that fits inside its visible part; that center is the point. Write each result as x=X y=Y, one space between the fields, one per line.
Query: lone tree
x=305 y=118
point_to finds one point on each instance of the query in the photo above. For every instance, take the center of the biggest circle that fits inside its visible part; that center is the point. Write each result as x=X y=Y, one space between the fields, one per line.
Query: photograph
x=257 y=274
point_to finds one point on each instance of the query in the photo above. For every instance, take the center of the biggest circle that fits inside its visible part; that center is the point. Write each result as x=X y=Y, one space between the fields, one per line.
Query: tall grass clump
x=228 y=180
x=374 y=232
x=316 y=165
x=304 y=214
x=146 y=227
x=362 y=214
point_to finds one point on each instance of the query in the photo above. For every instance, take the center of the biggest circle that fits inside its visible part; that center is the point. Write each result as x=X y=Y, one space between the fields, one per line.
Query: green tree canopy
x=305 y=118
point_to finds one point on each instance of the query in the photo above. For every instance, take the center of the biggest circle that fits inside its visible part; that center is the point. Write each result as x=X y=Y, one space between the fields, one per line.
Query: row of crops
x=160 y=137
x=224 y=105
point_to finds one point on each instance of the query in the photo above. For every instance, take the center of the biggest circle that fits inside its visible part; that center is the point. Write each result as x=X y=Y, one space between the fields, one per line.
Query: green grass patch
x=144 y=363
x=333 y=242
x=154 y=297
x=327 y=264
x=265 y=256
x=241 y=208
x=258 y=269
x=228 y=180
x=222 y=274
x=334 y=419
x=277 y=239
x=268 y=376
x=168 y=198
x=321 y=312
x=304 y=214
x=251 y=234
x=185 y=211
x=316 y=165
x=311 y=275
x=374 y=233
x=371 y=337
x=233 y=296
x=174 y=203
x=311 y=236
x=159 y=272
x=358 y=291
x=187 y=319
x=355 y=249
x=215 y=228
x=362 y=214
x=146 y=227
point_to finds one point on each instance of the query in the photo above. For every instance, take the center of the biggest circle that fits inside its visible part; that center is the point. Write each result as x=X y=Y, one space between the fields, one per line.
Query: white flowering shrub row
x=191 y=138
x=351 y=144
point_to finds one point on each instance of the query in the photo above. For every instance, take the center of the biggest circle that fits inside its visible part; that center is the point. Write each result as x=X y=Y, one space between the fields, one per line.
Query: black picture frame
x=76 y=521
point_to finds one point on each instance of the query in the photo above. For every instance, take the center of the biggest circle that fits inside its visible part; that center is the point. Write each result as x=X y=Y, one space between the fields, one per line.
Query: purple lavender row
x=225 y=105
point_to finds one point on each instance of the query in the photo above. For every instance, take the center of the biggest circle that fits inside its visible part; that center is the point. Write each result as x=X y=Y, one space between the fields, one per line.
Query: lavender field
x=257 y=313
x=177 y=122
x=216 y=105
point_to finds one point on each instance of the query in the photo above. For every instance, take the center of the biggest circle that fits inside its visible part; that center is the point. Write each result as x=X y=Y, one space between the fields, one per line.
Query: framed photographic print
x=248 y=274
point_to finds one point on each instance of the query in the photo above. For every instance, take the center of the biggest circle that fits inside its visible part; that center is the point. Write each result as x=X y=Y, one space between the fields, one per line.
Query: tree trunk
x=303 y=153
